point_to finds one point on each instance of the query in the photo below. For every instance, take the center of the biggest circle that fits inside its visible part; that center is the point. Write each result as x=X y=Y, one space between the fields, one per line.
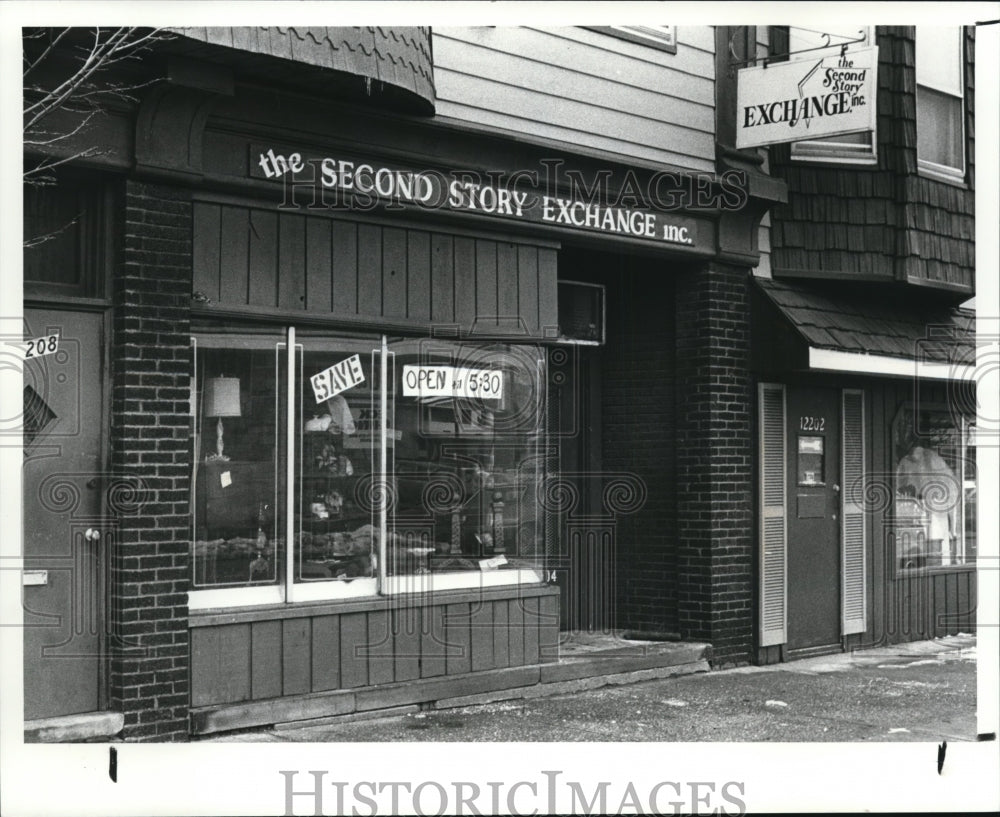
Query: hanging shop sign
x=313 y=180
x=807 y=99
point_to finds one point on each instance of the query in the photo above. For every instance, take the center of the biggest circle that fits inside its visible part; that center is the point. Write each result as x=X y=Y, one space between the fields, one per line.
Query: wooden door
x=813 y=501
x=63 y=595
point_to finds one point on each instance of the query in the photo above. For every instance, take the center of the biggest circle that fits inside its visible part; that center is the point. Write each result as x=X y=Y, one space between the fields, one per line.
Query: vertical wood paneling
x=530 y=631
x=418 y=275
x=234 y=261
x=221 y=657
x=527 y=287
x=406 y=638
x=204 y=666
x=344 y=243
x=433 y=642
x=501 y=637
x=548 y=306
x=325 y=653
x=481 y=635
x=263 y=288
x=507 y=286
x=353 y=662
x=318 y=264
x=442 y=279
x=515 y=631
x=486 y=283
x=291 y=261
x=943 y=618
x=465 y=281
x=548 y=628
x=380 y=648
x=369 y=286
x=265 y=659
x=394 y=288
x=456 y=622
x=296 y=666
x=205 y=249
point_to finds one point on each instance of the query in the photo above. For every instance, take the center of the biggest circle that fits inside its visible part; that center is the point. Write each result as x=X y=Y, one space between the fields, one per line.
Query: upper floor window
x=940 y=102
x=663 y=38
x=855 y=148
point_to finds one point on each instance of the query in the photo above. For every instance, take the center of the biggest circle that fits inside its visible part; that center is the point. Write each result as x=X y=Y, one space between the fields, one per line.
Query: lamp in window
x=222 y=399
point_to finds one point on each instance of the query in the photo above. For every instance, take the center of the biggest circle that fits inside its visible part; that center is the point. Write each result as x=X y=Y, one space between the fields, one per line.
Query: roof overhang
x=833 y=327
x=835 y=360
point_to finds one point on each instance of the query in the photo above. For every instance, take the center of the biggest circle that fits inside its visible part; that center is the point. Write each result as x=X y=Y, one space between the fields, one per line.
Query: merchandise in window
x=415 y=459
x=236 y=480
x=465 y=458
x=335 y=523
x=940 y=101
x=934 y=505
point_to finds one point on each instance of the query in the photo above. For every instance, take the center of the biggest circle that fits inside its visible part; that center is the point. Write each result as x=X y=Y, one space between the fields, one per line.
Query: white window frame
x=286 y=590
x=833 y=152
x=662 y=38
x=945 y=173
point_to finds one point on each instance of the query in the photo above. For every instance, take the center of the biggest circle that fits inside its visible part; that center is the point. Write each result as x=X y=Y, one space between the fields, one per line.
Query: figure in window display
x=924 y=475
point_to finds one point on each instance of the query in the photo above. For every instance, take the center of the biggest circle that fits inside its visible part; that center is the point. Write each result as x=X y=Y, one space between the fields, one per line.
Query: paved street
x=924 y=691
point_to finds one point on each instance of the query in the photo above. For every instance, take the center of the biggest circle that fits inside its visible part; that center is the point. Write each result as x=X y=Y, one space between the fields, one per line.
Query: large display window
x=935 y=493
x=338 y=467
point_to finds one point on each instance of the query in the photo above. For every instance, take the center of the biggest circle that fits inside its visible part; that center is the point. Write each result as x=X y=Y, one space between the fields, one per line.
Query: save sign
x=339 y=377
x=807 y=99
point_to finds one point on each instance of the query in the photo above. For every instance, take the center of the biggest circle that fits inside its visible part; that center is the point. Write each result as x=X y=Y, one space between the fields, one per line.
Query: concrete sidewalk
x=918 y=691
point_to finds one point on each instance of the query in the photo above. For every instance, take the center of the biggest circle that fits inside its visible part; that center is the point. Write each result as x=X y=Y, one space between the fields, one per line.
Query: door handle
x=836 y=487
x=92 y=534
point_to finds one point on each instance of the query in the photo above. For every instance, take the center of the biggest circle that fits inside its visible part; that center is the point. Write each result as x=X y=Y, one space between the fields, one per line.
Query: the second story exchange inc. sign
x=807 y=99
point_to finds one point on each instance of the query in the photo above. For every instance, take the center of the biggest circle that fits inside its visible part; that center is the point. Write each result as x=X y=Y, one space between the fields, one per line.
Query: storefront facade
x=349 y=444
x=865 y=363
x=395 y=391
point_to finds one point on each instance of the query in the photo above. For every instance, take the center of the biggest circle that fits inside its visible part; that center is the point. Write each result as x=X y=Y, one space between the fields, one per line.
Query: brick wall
x=151 y=365
x=637 y=412
x=714 y=520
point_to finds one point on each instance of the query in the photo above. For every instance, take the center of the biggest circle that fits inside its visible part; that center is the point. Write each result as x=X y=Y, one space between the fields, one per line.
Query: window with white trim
x=851 y=148
x=662 y=38
x=335 y=503
x=940 y=102
x=935 y=489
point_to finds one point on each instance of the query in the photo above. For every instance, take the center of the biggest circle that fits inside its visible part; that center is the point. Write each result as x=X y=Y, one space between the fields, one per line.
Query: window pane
x=939 y=58
x=465 y=458
x=939 y=128
x=235 y=487
x=336 y=509
x=933 y=483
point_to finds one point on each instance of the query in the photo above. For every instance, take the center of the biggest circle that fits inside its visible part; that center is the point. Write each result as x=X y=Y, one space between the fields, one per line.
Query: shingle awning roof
x=875 y=335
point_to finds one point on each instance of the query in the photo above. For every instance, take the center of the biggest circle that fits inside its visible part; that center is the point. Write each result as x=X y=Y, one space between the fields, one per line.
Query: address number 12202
x=812 y=423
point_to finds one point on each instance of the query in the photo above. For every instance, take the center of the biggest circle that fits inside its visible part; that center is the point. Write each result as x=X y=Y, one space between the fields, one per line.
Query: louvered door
x=773 y=538
x=853 y=604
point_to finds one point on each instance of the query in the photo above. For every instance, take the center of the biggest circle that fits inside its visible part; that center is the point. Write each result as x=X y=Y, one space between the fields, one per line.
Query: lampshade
x=222 y=397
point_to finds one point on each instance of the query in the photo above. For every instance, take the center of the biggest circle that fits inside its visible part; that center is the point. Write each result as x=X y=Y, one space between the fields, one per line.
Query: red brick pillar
x=714 y=461
x=151 y=449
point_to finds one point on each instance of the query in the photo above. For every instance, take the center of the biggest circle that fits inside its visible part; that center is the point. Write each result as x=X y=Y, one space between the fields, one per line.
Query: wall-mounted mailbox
x=35 y=577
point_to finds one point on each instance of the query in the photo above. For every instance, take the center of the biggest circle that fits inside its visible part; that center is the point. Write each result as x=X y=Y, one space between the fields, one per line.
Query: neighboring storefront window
x=460 y=448
x=935 y=489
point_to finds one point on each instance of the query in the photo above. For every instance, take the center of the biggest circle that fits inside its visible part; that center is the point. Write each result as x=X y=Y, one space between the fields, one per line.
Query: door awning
x=831 y=328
